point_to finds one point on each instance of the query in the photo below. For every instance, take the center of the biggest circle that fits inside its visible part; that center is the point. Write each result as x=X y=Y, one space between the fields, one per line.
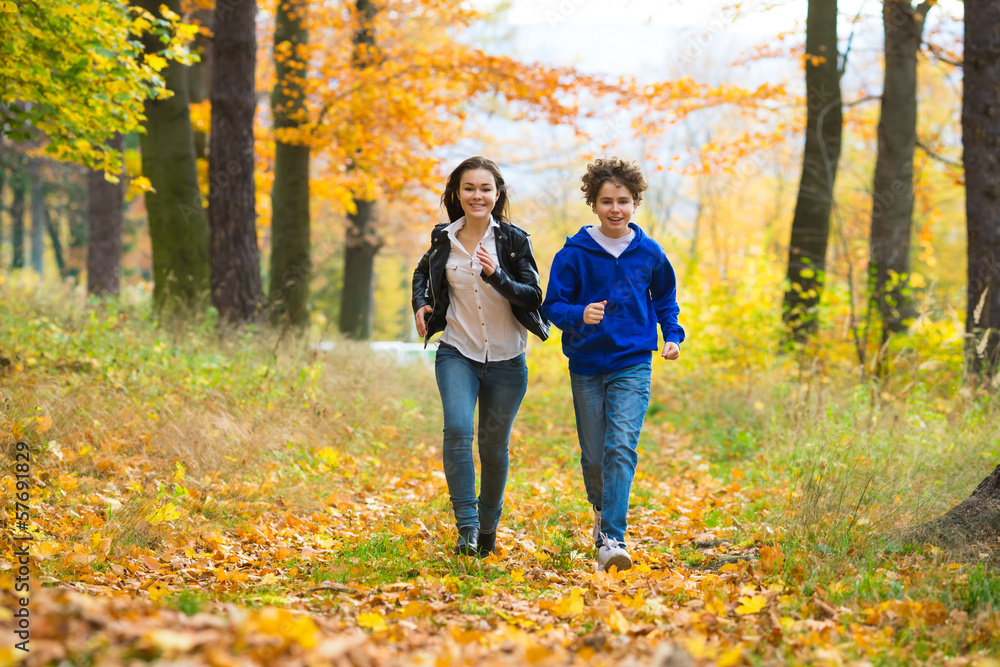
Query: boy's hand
x=594 y=313
x=671 y=351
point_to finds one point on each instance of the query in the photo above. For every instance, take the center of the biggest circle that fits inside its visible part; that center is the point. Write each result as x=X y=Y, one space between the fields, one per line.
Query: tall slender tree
x=19 y=191
x=892 y=198
x=362 y=242
x=178 y=224
x=234 y=256
x=37 y=220
x=981 y=151
x=291 y=266
x=105 y=215
x=813 y=206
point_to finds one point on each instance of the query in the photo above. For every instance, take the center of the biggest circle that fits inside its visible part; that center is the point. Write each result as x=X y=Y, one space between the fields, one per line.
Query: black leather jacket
x=516 y=278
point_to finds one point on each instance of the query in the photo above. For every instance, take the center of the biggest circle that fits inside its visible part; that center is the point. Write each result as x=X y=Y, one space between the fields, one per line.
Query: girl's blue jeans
x=609 y=413
x=498 y=386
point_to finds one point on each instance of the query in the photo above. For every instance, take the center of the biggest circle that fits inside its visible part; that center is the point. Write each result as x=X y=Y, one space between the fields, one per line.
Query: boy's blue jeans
x=499 y=387
x=609 y=413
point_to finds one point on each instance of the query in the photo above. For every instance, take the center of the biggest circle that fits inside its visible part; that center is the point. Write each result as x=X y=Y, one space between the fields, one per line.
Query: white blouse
x=479 y=319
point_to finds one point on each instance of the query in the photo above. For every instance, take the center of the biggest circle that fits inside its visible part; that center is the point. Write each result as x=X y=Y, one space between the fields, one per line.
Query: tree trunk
x=235 y=258
x=178 y=225
x=200 y=77
x=291 y=267
x=359 y=268
x=19 y=189
x=37 y=223
x=981 y=145
x=52 y=225
x=976 y=520
x=892 y=197
x=362 y=242
x=3 y=186
x=824 y=125
x=105 y=217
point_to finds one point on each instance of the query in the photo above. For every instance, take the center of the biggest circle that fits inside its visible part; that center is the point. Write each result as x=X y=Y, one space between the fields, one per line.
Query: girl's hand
x=485 y=260
x=594 y=313
x=418 y=319
x=671 y=351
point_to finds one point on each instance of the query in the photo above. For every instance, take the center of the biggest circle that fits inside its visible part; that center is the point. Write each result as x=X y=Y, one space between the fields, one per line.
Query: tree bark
x=892 y=197
x=362 y=243
x=291 y=266
x=52 y=225
x=3 y=187
x=976 y=520
x=824 y=126
x=178 y=225
x=19 y=189
x=105 y=217
x=234 y=256
x=359 y=267
x=37 y=223
x=981 y=146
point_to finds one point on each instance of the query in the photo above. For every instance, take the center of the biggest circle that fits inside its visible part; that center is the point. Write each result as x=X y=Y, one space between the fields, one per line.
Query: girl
x=478 y=283
x=609 y=287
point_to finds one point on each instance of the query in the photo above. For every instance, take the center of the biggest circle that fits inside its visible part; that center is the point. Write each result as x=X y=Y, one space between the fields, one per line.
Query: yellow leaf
x=168 y=512
x=730 y=657
x=8 y=7
x=157 y=591
x=269 y=579
x=372 y=621
x=156 y=62
x=617 y=622
x=571 y=605
x=751 y=605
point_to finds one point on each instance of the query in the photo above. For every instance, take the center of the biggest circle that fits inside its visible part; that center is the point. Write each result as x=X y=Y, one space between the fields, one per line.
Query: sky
x=665 y=39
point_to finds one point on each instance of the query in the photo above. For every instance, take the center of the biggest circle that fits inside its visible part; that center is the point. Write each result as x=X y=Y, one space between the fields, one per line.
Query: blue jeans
x=609 y=413
x=499 y=387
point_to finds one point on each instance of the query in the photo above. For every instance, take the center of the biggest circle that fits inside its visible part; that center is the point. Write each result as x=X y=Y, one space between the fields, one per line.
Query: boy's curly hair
x=627 y=174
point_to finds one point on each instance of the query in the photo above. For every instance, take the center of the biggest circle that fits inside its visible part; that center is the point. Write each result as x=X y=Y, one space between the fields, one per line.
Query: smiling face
x=477 y=193
x=614 y=207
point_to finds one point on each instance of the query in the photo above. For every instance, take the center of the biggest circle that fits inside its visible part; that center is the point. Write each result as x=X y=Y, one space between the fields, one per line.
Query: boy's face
x=614 y=207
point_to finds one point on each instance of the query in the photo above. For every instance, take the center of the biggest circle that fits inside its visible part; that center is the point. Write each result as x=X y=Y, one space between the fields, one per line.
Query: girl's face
x=614 y=207
x=477 y=192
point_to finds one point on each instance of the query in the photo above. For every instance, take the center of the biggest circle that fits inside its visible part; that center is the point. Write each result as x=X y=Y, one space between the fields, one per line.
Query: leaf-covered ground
x=198 y=502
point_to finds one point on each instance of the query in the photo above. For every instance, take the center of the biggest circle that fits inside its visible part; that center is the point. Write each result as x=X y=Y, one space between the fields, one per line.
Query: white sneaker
x=597 y=524
x=612 y=554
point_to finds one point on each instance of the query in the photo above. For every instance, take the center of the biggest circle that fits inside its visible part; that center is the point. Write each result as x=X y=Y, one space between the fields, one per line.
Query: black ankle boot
x=467 y=545
x=487 y=544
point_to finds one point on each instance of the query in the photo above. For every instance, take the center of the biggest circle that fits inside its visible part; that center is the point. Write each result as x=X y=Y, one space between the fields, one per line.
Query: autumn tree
x=814 y=203
x=233 y=252
x=394 y=88
x=288 y=292
x=976 y=520
x=19 y=193
x=362 y=242
x=60 y=55
x=981 y=150
x=892 y=199
x=105 y=215
x=178 y=224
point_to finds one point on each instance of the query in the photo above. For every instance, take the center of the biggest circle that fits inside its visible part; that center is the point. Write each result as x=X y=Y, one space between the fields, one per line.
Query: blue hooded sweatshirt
x=640 y=288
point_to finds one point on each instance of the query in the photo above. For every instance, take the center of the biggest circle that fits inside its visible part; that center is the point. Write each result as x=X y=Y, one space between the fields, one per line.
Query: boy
x=608 y=288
